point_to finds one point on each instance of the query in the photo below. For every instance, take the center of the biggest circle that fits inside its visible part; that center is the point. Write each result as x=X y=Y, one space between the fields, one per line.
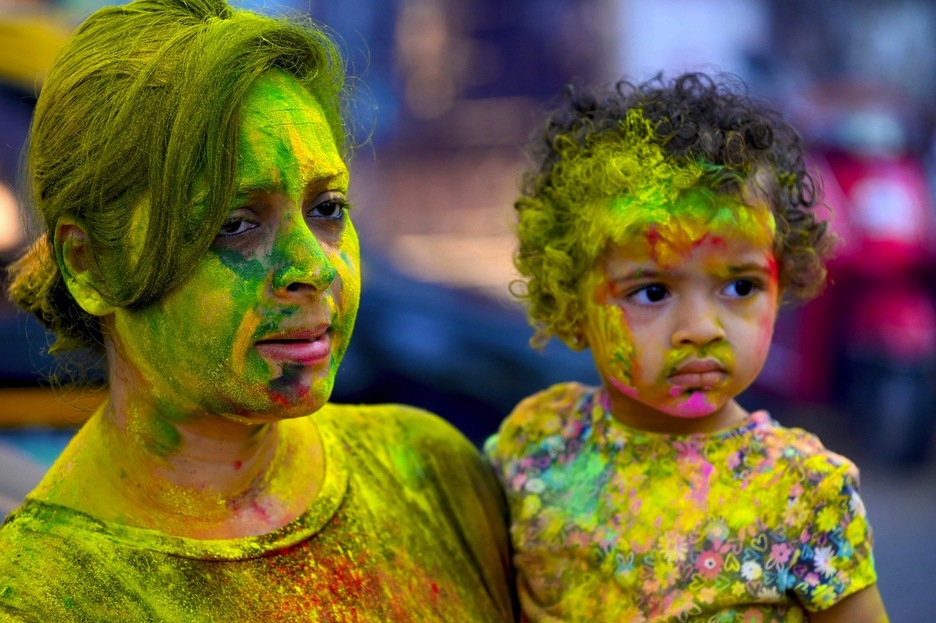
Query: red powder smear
x=260 y=511
x=347 y=584
x=280 y=399
x=772 y=267
x=237 y=464
x=653 y=238
x=436 y=597
x=716 y=241
x=603 y=290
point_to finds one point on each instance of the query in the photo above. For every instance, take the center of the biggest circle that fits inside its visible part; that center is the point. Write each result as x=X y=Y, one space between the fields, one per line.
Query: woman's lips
x=299 y=349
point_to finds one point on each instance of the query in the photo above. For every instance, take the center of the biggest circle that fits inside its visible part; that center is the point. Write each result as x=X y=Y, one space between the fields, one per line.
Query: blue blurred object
x=39 y=444
x=24 y=357
x=18 y=475
x=447 y=350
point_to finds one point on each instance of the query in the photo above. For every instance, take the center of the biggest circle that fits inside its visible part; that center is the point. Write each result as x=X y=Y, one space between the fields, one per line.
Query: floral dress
x=758 y=523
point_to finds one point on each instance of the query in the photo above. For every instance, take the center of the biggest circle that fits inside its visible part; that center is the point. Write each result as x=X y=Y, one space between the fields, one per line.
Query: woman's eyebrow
x=338 y=177
x=256 y=184
x=267 y=183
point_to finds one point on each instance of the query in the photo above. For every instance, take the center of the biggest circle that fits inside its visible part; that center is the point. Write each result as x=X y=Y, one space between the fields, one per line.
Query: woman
x=187 y=161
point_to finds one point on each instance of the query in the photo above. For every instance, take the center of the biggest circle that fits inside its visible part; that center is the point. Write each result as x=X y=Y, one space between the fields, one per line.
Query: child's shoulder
x=799 y=449
x=543 y=414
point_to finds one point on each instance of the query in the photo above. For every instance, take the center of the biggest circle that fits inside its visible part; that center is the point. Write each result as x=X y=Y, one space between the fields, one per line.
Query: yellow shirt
x=758 y=523
x=409 y=526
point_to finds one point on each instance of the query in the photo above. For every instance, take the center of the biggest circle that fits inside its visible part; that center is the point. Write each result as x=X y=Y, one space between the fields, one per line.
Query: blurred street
x=447 y=92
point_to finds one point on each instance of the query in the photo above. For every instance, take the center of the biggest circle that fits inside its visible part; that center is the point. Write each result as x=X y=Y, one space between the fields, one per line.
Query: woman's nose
x=697 y=322
x=300 y=260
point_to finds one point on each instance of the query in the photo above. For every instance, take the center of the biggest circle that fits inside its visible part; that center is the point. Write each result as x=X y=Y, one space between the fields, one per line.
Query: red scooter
x=868 y=344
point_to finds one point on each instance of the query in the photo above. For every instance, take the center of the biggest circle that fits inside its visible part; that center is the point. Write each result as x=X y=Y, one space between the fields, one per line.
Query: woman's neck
x=198 y=475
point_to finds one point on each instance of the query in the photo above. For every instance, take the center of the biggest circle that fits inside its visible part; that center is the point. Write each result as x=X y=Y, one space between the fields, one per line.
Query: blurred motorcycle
x=868 y=344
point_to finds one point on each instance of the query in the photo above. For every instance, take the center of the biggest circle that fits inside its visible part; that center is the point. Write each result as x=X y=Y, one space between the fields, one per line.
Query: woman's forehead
x=284 y=131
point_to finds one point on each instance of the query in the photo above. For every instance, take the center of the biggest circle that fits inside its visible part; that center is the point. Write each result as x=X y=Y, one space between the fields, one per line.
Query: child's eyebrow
x=638 y=273
x=752 y=267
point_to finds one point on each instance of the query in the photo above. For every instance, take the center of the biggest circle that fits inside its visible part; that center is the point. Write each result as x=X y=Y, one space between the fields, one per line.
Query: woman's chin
x=279 y=403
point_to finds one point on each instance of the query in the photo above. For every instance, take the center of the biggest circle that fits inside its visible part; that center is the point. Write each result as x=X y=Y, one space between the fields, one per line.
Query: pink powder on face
x=627 y=390
x=697 y=406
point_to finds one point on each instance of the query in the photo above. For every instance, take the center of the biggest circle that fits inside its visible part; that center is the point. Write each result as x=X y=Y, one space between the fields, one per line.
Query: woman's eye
x=236 y=225
x=648 y=295
x=332 y=208
x=741 y=288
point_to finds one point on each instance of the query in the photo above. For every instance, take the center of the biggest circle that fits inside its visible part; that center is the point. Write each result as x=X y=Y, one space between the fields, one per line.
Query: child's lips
x=698 y=374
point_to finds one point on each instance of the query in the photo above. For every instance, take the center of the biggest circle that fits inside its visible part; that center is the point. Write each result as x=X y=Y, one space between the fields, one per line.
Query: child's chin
x=697 y=405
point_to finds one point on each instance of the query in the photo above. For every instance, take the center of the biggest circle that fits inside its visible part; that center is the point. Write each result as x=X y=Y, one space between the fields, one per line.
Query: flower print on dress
x=643 y=530
x=751 y=571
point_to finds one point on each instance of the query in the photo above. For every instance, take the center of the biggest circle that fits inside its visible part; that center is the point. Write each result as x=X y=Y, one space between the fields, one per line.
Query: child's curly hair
x=652 y=143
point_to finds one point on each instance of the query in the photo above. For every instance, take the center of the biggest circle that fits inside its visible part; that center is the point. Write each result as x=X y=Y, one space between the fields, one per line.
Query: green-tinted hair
x=143 y=101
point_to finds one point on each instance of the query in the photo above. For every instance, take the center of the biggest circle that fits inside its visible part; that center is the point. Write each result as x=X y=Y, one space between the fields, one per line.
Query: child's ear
x=73 y=252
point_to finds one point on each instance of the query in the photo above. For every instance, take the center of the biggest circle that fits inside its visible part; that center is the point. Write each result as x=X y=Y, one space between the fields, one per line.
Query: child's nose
x=299 y=260
x=697 y=323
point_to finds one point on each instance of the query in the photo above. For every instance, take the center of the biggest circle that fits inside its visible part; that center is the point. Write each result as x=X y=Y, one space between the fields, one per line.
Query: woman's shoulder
x=392 y=431
x=388 y=421
x=45 y=551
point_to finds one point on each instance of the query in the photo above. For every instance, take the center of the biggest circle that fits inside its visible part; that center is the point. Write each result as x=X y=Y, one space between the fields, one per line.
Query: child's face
x=679 y=315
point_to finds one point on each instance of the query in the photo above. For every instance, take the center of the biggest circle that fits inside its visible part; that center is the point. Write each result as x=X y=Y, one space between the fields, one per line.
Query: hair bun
x=37 y=286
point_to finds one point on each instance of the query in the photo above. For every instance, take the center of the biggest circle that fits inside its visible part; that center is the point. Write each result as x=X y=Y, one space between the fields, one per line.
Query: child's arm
x=865 y=606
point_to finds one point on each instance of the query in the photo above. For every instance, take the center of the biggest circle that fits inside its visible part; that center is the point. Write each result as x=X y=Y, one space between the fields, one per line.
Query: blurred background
x=447 y=92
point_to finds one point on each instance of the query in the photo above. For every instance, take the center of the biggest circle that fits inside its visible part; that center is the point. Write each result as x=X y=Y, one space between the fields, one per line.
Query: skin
x=194 y=438
x=680 y=313
x=865 y=606
x=694 y=283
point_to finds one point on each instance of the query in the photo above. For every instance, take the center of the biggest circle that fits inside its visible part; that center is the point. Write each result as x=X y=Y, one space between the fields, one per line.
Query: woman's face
x=258 y=329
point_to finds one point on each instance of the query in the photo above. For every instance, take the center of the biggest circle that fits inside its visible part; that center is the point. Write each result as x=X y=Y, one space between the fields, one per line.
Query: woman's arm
x=865 y=606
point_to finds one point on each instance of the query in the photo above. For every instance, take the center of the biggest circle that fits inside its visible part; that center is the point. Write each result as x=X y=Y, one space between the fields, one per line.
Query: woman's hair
x=143 y=101
x=655 y=142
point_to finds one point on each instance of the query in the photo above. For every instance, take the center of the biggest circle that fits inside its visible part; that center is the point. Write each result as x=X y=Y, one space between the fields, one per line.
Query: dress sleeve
x=834 y=556
x=473 y=501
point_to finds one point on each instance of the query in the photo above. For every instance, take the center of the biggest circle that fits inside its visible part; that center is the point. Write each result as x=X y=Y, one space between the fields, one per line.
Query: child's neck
x=640 y=416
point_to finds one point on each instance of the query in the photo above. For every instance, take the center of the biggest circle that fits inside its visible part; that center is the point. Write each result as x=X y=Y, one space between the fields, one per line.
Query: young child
x=661 y=228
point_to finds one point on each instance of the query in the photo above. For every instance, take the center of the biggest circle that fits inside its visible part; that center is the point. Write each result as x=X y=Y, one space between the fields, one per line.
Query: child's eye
x=741 y=288
x=332 y=206
x=650 y=294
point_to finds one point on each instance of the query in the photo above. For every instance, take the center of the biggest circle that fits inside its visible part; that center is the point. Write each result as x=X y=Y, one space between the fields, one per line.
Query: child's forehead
x=666 y=231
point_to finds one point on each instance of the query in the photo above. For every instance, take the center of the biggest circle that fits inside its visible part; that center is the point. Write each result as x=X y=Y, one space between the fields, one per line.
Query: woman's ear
x=73 y=253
